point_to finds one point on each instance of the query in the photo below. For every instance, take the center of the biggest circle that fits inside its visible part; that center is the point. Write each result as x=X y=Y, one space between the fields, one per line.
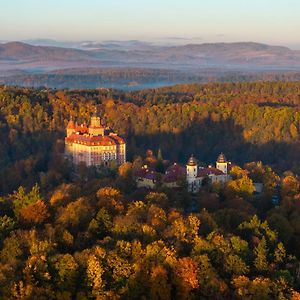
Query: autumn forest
x=80 y=233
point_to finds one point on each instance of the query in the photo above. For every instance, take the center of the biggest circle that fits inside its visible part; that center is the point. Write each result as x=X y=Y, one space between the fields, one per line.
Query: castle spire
x=96 y=127
x=192 y=161
x=95 y=114
x=70 y=127
x=222 y=163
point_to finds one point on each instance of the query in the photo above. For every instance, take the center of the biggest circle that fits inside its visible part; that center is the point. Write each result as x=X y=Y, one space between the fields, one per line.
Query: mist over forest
x=134 y=65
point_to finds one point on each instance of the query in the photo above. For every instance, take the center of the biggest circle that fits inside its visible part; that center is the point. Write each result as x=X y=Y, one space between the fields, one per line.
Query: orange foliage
x=186 y=274
x=33 y=214
x=160 y=288
x=111 y=199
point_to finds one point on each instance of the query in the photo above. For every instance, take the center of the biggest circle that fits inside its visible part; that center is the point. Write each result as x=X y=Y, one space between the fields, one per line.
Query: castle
x=94 y=145
x=194 y=175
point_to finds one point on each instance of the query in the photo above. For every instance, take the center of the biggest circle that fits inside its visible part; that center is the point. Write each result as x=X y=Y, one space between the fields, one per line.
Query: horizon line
x=168 y=41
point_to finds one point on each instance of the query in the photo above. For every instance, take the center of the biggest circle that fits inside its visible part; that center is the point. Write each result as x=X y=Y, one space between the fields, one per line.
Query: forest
x=96 y=236
x=136 y=78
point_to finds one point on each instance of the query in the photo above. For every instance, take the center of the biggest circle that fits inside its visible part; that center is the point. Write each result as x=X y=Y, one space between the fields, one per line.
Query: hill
x=136 y=65
x=219 y=55
x=17 y=51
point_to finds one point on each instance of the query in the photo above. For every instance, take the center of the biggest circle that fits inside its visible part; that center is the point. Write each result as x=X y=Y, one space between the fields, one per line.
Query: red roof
x=151 y=175
x=71 y=125
x=82 y=128
x=145 y=172
x=92 y=140
x=174 y=173
x=202 y=172
x=117 y=138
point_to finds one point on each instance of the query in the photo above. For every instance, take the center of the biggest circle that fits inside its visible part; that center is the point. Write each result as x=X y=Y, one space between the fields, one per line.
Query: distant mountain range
x=41 y=57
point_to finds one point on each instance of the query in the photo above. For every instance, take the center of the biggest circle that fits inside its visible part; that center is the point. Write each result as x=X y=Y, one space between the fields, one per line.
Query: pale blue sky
x=268 y=21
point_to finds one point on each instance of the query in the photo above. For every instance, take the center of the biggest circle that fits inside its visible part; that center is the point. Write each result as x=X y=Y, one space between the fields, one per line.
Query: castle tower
x=70 y=127
x=95 y=121
x=191 y=170
x=222 y=163
x=96 y=127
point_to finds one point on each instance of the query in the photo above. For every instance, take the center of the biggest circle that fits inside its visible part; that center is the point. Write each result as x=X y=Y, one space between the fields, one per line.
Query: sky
x=183 y=21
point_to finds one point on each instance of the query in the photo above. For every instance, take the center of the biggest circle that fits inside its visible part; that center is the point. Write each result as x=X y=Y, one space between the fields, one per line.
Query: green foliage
x=279 y=253
x=258 y=228
x=235 y=265
x=260 y=252
x=11 y=249
x=66 y=272
x=7 y=224
x=21 y=199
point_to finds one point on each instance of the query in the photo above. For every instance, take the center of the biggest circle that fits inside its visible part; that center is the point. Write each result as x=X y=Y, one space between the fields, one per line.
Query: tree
x=290 y=186
x=11 y=249
x=156 y=217
x=234 y=265
x=111 y=199
x=33 y=214
x=95 y=274
x=237 y=172
x=160 y=288
x=125 y=169
x=186 y=277
x=159 y=167
x=260 y=252
x=101 y=224
x=76 y=215
x=126 y=181
x=22 y=199
x=254 y=227
x=282 y=226
x=66 y=272
x=279 y=253
x=7 y=224
x=293 y=131
x=159 y=199
x=63 y=194
x=242 y=187
x=120 y=270
x=259 y=288
x=36 y=271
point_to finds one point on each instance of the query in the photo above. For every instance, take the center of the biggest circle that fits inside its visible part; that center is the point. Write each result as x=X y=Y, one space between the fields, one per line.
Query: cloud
x=178 y=38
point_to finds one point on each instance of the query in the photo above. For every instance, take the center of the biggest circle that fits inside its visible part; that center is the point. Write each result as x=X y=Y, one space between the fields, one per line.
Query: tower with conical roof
x=70 y=127
x=222 y=163
x=191 y=172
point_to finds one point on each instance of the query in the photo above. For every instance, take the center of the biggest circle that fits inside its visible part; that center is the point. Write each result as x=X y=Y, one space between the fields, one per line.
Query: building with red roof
x=146 y=177
x=94 y=144
x=173 y=175
x=196 y=175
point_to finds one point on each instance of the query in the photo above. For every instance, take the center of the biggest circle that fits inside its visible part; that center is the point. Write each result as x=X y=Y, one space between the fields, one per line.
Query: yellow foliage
x=293 y=131
x=108 y=192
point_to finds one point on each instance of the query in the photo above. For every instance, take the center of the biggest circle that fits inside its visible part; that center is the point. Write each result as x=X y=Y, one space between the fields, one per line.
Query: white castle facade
x=195 y=174
x=94 y=145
